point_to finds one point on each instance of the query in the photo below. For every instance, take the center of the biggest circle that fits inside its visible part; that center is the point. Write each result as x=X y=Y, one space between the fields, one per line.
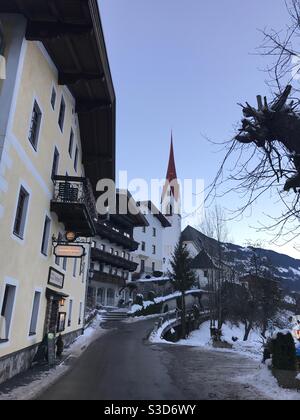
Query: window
x=75 y=267
x=57 y=259
x=61 y=323
x=20 y=219
x=53 y=98
x=142 y=266
x=55 y=164
x=71 y=143
x=35 y=313
x=62 y=112
x=46 y=235
x=205 y=273
x=123 y=254
x=111 y=251
x=153 y=267
x=65 y=261
x=154 y=232
x=35 y=125
x=144 y=229
x=80 y=313
x=102 y=247
x=153 y=249
x=116 y=253
x=70 y=313
x=76 y=159
x=143 y=246
x=7 y=311
x=170 y=210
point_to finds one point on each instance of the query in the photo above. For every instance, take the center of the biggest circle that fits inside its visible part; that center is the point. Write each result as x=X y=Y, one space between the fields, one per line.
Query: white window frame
x=9 y=282
x=47 y=215
x=24 y=185
x=31 y=335
x=35 y=100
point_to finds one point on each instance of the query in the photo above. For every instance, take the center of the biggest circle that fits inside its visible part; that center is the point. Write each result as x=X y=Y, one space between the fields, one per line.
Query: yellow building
x=57 y=139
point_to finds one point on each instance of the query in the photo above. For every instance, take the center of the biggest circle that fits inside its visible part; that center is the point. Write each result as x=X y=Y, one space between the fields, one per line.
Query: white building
x=150 y=255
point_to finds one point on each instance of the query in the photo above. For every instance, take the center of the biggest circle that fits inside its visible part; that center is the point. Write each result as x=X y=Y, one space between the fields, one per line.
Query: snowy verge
x=46 y=379
x=202 y=338
x=265 y=382
x=262 y=379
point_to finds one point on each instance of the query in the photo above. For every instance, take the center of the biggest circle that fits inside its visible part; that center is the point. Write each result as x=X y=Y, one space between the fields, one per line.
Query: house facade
x=112 y=259
x=150 y=255
x=57 y=101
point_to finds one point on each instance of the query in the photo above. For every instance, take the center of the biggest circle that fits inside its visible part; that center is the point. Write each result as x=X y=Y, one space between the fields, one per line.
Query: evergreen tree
x=284 y=352
x=182 y=277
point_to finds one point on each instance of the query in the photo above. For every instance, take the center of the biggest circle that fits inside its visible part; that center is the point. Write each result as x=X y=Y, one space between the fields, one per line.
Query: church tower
x=171 y=209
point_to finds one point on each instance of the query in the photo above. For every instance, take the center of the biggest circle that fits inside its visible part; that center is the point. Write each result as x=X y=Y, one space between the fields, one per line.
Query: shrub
x=284 y=352
x=150 y=310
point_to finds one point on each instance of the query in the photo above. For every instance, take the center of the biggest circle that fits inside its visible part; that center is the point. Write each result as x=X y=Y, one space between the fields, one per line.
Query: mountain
x=280 y=266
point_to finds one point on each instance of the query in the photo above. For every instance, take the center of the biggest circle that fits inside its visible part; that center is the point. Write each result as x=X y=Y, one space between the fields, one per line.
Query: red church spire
x=171 y=174
x=171 y=178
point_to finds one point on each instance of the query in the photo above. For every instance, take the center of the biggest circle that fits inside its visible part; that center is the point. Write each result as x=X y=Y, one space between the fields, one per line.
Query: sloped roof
x=203 y=261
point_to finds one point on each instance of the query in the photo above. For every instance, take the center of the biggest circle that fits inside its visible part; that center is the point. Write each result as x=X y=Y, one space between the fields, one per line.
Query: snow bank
x=265 y=382
x=253 y=348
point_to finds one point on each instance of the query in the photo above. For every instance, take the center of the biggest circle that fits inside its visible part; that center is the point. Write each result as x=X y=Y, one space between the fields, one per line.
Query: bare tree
x=264 y=156
x=214 y=226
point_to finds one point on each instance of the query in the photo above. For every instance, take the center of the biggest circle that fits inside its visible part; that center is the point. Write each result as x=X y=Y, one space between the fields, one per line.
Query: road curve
x=123 y=365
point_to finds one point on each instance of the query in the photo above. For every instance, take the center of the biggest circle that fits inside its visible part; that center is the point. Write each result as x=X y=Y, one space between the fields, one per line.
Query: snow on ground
x=155 y=337
x=296 y=272
x=201 y=338
x=46 y=379
x=289 y=300
x=262 y=379
x=265 y=382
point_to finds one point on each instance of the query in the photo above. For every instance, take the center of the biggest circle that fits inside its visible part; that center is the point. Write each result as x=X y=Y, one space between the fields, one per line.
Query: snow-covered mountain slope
x=280 y=266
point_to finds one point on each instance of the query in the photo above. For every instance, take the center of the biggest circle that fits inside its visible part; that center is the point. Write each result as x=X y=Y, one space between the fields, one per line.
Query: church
x=159 y=239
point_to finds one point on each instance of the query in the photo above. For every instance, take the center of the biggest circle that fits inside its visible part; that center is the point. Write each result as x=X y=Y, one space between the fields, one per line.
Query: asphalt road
x=123 y=365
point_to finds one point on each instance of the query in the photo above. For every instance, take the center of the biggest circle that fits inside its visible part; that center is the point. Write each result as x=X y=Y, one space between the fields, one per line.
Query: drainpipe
x=87 y=279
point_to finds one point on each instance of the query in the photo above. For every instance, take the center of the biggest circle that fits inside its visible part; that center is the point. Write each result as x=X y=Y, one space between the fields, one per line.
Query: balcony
x=113 y=260
x=75 y=205
x=109 y=279
x=106 y=232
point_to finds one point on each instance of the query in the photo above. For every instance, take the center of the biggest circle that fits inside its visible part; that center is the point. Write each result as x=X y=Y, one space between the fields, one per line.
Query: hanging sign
x=69 y=251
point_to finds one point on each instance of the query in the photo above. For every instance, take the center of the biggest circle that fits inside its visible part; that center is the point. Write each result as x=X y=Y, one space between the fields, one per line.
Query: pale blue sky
x=184 y=65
